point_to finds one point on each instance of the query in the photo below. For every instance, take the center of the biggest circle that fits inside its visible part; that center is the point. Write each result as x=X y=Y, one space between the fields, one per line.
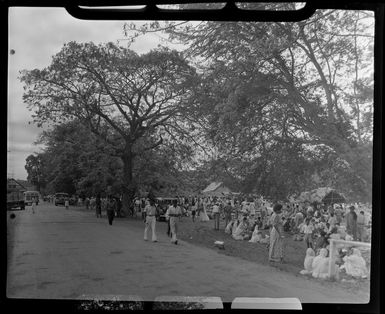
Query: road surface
x=63 y=254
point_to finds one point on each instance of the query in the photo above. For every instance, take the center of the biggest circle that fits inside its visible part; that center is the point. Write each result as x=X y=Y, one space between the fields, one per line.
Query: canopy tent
x=321 y=195
x=216 y=189
x=333 y=197
x=314 y=196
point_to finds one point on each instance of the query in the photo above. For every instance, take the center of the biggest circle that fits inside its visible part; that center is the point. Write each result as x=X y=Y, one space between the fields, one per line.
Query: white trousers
x=150 y=224
x=173 y=228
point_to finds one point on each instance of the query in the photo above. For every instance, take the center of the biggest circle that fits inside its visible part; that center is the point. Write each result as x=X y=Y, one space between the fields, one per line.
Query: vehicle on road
x=29 y=196
x=73 y=200
x=162 y=203
x=15 y=195
x=60 y=198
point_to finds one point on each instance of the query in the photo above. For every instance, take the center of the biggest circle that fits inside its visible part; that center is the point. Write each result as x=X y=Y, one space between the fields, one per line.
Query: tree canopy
x=133 y=102
x=304 y=86
x=272 y=108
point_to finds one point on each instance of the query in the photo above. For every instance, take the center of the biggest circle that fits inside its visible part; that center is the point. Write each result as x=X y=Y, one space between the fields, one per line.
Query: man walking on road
x=66 y=203
x=98 y=203
x=173 y=212
x=110 y=208
x=150 y=221
x=33 y=205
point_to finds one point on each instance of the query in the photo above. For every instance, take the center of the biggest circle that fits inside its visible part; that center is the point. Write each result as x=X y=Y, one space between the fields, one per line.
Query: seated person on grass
x=241 y=233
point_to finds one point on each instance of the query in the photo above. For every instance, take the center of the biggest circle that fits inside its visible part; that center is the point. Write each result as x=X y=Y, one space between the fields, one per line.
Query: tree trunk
x=129 y=187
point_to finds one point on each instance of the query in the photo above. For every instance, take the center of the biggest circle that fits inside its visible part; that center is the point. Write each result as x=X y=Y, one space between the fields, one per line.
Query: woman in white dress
x=256 y=236
x=320 y=265
x=308 y=262
x=203 y=214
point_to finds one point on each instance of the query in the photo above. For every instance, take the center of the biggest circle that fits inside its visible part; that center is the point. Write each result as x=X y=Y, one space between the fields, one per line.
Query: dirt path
x=63 y=254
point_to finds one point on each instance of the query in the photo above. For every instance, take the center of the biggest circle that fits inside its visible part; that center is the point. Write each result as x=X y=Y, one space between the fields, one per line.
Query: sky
x=36 y=34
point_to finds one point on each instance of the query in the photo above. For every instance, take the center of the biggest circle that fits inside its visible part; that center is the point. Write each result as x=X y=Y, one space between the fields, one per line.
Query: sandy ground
x=63 y=254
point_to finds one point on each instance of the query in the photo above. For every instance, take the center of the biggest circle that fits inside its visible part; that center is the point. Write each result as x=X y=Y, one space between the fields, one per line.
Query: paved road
x=61 y=254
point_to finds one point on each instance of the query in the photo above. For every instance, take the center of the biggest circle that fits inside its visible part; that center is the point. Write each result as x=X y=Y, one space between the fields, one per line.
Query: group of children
x=347 y=260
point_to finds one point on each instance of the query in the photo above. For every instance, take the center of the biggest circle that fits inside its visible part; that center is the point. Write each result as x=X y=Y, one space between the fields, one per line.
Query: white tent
x=216 y=189
x=314 y=196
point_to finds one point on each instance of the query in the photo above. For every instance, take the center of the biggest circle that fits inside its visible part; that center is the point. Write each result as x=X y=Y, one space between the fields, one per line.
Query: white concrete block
x=267 y=303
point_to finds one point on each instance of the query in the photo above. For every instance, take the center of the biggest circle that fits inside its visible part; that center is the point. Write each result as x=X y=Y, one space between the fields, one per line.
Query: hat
x=277 y=207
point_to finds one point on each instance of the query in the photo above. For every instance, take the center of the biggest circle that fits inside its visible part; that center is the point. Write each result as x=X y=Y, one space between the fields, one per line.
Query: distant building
x=28 y=186
x=14 y=185
x=216 y=189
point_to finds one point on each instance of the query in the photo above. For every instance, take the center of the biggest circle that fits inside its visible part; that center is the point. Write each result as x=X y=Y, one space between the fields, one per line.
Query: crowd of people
x=257 y=220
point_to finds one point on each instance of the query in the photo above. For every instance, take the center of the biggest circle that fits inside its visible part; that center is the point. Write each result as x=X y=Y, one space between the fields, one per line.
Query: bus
x=60 y=198
x=29 y=196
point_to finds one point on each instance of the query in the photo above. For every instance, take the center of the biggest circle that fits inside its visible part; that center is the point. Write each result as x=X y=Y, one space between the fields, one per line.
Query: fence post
x=334 y=242
x=331 y=251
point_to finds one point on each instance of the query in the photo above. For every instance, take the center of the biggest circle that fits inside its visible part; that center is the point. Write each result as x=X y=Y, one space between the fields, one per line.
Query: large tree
x=268 y=84
x=77 y=161
x=34 y=164
x=133 y=102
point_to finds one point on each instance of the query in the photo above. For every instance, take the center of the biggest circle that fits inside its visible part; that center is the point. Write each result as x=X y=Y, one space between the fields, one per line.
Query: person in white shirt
x=33 y=205
x=252 y=208
x=361 y=226
x=216 y=214
x=308 y=229
x=245 y=208
x=332 y=220
x=298 y=219
x=150 y=221
x=173 y=212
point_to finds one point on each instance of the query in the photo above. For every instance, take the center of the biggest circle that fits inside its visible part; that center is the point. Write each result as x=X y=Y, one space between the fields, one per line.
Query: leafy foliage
x=132 y=102
x=272 y=108
x=286 y=85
